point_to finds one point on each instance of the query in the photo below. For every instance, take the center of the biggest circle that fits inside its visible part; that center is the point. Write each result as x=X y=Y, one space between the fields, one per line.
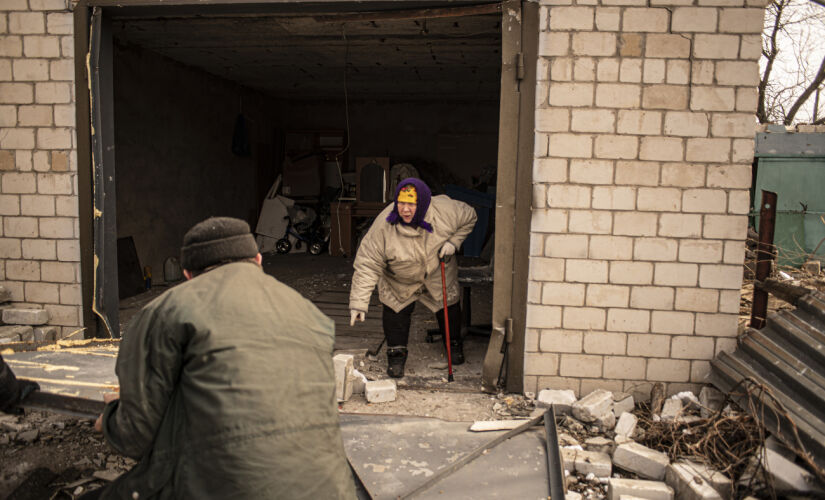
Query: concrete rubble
x=626 y=425
x=688 y=482
x=593 y=406
x=651 y=490
x=343 y=365
x=671 y=410
x=22 y=324
x=561 y=399
x=641 y=460
x=25 y=316
x=380 y=391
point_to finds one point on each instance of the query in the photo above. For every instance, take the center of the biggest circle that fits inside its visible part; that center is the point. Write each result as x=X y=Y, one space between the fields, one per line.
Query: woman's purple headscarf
x=424 y=196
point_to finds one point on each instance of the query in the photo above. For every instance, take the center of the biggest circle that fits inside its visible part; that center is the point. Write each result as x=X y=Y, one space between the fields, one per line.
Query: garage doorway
x=196 y=111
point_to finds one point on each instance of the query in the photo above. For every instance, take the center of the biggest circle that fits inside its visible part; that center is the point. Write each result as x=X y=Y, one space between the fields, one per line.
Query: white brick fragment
x=380 y=391
x=651 y=490
x=641 y=460
x=593 y=406
x=594 y=462
x=688 y=484
x=25 y=316
x=626 y=424
x=562 y=399
x=672 y=409
x=623 y=402
x=343 y=366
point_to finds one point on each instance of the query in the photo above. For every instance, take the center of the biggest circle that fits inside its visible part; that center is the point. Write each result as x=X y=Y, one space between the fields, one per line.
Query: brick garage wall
x=39 y=249
x=644 y=142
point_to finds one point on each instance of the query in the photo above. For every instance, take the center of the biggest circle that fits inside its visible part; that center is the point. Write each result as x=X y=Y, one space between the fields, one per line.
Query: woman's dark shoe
x=396 y=359
x=457 y=352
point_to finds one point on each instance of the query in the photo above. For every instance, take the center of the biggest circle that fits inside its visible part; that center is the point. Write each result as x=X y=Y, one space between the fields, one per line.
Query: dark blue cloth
x=424 y=197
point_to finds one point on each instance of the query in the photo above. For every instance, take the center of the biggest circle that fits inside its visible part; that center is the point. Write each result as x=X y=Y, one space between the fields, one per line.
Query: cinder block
x=700 y=251
x=607 y=18
x=584 y=69
x=654 y=71
x=672 y=409
x=645 y=20
x=63 y=315
x=70 y=294
x=637 y=173
x=35 y=116
x=593 y=120
x=560 y=341
x=25 y=316
x=683 y=174
x=611 y=247
x=639 y=122
x=592 y=171
x=68 y=250
x=731 y=227
x=628 y=320
x=678 y=72
x=717 y=325
x=26 y=23
x=570 y=94
x=30 y=69
x=563 y=294
x=548 y=221
x=571 y=146
x=41 y=46
x=704 y=201
x=734 y=253
x=541 y=316
x=655 y=249
x=680 y=225
x=686 y=124
x=631 y=273
x=583 y=318
x=648 y=345
x=546 y=269
x=552 y=44
x=568 y=196
x=57 y=227
x=666 y=96
x=697 y=300
x=580 y=365
x=741 y=20
x=54 y=138
x=616 y=147
x=667 y=46
x=592 y=406
x=343 y=366
x=605 y=343
x=11 y=46
x=650 y=490
x=671 y=322
x=692 y=347
x=624 y=368
x=675 y=274
x=634 y=224
x=590 y=221
x=39 y=249
x=750 y=47
x=733 y=125
x=566 y=246
x=19 y=183
x=44 y=333
x=607 y=69
x=730 y=176
x=641 y=460
x=594 y=462
x=715 y=47
x=550 y=170
x=52 y=92
x=594 y=44
x=571 y=18
x=720 y=276
x=742 y=151
x=617 y=95
x=651 y=297
x=58 y=272
x=614 y=197
x=626 y=424
x=15 y=333
x=541 y=363
x=562 y=400
x=712 y=99
x=552 y=120
x=16 y=138
x=729 y=301
x=694 y=19
x=586 y=271
x=689 y=485
x=380 y=391
x=659 y=199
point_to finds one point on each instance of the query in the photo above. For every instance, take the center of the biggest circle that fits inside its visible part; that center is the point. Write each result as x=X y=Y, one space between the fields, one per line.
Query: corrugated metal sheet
x=778 y=374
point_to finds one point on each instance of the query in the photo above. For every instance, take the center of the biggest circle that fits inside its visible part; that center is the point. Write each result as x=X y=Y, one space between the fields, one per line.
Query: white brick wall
x=39 y=250
x=642 y=208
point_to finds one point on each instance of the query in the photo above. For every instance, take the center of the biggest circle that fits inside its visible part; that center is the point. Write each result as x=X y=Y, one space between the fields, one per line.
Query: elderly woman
x=400 y=253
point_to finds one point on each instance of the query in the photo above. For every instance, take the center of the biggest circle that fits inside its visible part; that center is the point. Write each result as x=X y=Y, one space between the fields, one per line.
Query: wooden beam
x=396 y=15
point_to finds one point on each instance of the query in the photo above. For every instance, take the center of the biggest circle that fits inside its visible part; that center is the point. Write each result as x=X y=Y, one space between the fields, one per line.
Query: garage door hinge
x=520 y=66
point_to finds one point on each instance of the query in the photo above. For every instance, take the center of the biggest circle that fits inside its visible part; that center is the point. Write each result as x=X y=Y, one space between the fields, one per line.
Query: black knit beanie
x=217 y=240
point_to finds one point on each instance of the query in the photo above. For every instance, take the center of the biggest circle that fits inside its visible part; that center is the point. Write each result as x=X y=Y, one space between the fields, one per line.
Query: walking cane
x=446 y=321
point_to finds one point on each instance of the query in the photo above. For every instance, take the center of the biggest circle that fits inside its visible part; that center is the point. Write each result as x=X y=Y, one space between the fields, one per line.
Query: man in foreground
x=12 y=389
x=226 y=384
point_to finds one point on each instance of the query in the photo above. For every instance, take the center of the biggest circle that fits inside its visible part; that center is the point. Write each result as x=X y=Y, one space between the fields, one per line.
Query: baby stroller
x=305 y=227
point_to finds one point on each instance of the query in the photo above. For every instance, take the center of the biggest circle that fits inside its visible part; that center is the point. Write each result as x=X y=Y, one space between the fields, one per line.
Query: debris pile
x=22 y=324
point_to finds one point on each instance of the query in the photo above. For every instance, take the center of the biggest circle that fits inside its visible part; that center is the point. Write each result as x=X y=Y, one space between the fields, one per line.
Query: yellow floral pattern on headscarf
x=408 y=195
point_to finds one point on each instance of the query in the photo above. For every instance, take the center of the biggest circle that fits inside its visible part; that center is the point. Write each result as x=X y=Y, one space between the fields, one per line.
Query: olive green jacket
x=403 y=261
x=227 y=391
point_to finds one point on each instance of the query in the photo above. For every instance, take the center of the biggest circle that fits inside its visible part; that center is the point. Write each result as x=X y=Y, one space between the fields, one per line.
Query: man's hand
x=447 y=249
x=107 y=398
x=353 y=315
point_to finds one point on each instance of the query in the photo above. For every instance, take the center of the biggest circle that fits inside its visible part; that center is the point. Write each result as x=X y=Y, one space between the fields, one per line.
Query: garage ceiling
x=305 y=56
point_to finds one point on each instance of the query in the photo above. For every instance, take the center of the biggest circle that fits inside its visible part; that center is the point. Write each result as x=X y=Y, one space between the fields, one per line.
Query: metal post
x=764 y=257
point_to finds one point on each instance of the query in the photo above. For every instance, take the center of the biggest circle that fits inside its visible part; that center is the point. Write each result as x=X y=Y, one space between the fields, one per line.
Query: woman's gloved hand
x=353 y=315
x=446 y=250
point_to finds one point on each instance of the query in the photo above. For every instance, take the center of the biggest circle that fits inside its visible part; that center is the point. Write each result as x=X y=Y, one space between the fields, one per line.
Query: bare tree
x=793 y=63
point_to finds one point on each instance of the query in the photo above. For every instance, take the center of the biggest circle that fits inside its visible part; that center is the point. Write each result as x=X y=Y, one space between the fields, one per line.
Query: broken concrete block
x=562 y=399
x=380 y=391
x=689 y=400
x=15 y=333
x=650 y=490
x=620 y=439
x=641 y=460
x=812 y=267
x=357 y=381
x=495 y=425
x=45 y=333
x=787 y=476
x=623 y=402
x=593 y=406
x=600 y=444
x=566 y=439
x=688 y=485
x=606 y=422
x=710 y=401
x=5 y=295
x=717 y=480
x=343 y=366
x=671 y=410
x=568 y=458
x=626 y=425
x=572 y=495
x=25 y=316
x=593 y=462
